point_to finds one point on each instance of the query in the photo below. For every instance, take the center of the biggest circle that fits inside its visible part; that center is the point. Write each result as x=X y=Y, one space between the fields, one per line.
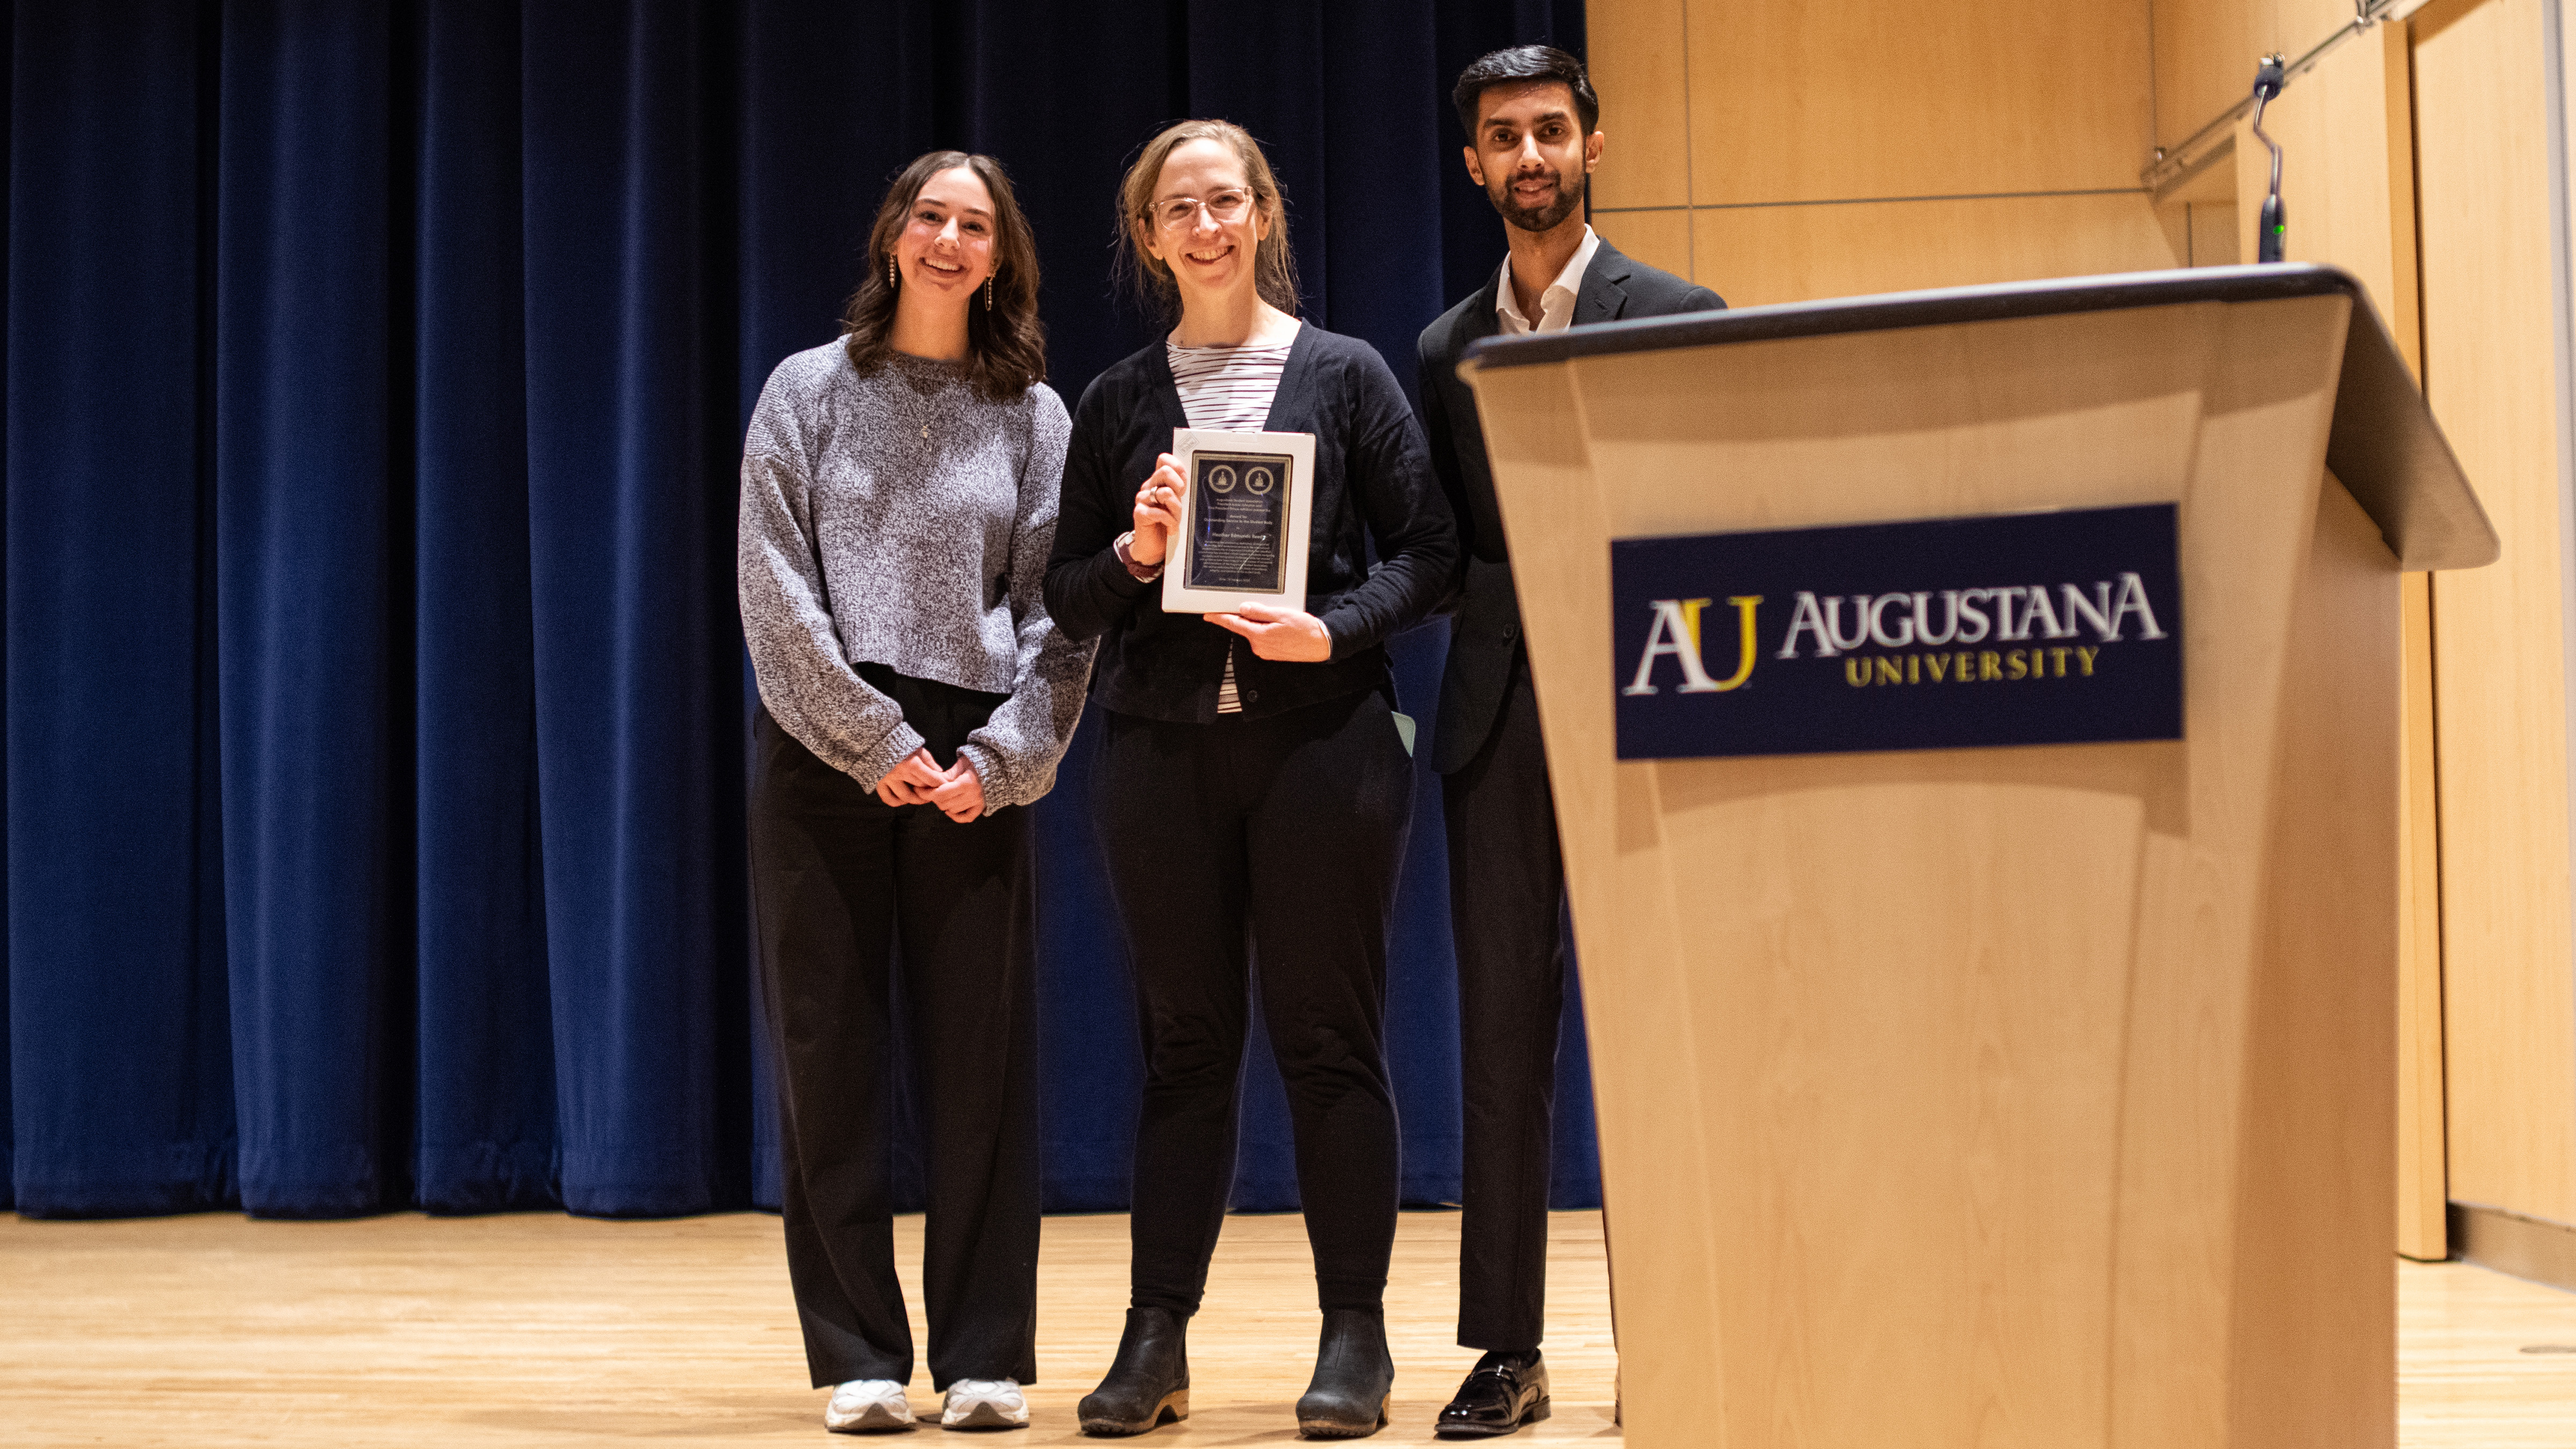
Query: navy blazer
x=1486 y=629
x=1372 y=483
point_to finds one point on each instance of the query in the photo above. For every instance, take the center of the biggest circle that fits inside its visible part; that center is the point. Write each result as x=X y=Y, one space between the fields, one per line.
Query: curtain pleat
x=120 y=1031
x=374 y=695
x=632 y=439
x=487 y=1096
x=304 y=590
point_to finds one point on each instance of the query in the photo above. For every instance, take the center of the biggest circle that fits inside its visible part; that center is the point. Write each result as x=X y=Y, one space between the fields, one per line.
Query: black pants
x=1506 y=878
x=1285 y=832
x=838 y=876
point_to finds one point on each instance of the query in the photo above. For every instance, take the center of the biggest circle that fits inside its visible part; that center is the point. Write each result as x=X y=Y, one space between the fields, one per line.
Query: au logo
x=1676 y=634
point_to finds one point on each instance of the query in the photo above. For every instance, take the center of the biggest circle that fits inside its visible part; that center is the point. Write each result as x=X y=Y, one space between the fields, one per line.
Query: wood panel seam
x=1690 y=163
x=2155 y=111
x=1875 y=200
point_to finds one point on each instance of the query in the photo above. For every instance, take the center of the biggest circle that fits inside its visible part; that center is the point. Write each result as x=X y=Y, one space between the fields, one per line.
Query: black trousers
x=1263 y=851
x=838 y=877
x=1506 y=878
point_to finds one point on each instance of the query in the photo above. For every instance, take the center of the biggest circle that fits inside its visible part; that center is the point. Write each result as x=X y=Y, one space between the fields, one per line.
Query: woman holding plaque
x=1254 y=784
x=898 y=500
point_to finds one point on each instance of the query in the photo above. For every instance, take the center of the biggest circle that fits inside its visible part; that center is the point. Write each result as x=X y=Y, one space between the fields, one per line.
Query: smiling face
x=1531 y=154
x=1204 y=223
x=945 y=250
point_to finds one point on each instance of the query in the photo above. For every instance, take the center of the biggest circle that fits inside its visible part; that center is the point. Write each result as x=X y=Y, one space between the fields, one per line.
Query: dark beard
x=1540 y=218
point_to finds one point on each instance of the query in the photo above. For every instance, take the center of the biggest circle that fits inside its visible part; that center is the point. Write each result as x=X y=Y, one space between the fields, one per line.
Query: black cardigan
x=1371 y=469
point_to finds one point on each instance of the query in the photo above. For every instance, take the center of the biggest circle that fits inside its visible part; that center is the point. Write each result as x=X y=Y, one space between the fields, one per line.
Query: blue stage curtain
x=374 y=697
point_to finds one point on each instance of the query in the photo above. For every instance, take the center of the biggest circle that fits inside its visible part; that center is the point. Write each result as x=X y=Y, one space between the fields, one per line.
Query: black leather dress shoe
x=1148 y=1383
x=1505 y=1391
x=1354 y=1377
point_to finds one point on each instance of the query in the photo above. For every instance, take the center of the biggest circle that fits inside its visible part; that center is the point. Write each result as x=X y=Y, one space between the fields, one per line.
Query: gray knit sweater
x=900 y=520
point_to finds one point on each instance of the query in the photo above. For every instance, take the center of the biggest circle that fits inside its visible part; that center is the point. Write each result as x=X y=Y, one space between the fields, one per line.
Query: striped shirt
x=1227 y=389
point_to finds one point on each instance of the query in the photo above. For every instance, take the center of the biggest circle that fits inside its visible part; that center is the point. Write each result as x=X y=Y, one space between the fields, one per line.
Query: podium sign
x=2025 y=629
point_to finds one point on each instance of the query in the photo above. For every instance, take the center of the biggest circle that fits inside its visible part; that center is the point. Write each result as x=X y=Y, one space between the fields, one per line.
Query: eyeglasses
x=1178 y=213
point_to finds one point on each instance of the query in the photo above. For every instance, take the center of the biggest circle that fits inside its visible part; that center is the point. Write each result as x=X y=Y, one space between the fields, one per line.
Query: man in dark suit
x=1530 y=115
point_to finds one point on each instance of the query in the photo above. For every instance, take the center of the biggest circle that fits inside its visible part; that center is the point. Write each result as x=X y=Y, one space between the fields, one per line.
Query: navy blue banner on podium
x=2014 y=629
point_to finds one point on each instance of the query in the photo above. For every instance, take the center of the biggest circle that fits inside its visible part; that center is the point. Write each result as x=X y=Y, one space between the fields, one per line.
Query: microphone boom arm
x=2273 y=230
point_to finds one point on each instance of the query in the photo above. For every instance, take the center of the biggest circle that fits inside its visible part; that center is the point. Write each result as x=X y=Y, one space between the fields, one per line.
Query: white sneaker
x=864 y=1406
x=985 y=1404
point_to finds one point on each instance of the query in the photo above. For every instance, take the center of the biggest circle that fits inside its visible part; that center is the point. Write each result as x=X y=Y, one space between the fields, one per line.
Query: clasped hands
x=917 y=780
x=1291 y=635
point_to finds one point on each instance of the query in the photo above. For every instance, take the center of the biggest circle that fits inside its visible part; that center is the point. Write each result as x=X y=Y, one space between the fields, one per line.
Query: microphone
x=2275 y=225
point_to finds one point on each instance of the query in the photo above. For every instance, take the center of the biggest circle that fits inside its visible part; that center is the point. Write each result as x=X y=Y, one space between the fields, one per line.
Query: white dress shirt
x=1556 y=304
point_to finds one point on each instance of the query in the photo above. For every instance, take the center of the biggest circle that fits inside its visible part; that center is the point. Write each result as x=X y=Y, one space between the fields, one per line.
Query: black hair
x=1519 y=65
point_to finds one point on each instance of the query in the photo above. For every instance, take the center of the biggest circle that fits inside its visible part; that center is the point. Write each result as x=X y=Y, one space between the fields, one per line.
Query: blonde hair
x=1274 y=266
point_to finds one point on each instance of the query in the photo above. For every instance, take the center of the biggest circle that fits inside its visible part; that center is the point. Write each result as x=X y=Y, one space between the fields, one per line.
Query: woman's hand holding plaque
x=1158 y=511
x=1285 y=634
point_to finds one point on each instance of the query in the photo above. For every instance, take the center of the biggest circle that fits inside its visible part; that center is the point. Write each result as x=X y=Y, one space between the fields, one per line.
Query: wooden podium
x=2037 y=1096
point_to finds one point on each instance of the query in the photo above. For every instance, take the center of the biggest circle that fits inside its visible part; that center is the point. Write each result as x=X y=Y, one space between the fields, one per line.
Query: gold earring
x=890 y=272
x=988 y=294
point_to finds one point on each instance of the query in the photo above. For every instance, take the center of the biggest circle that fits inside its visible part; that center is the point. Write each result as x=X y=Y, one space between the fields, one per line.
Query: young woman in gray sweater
x=899 y=493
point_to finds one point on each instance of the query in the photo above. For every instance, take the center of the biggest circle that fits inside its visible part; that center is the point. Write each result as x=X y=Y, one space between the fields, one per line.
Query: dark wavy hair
x=1274 y=266
x=1006 y=345
x=1524 y=65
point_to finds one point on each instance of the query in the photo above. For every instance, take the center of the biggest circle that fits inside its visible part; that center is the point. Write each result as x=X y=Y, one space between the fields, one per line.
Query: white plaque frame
x=1299 y=451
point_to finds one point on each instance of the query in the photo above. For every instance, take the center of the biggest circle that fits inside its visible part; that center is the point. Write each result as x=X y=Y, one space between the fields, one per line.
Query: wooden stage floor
x=541 y=1329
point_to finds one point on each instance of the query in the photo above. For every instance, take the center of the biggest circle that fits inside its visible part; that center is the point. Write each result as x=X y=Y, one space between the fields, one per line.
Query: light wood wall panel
x=2029 y=119
x=2202 y=233
x=1635 y=49
x=1657 y=238
x=2509 y=993
x=1758 y=254
x=2213 y=236
x=1837 y=102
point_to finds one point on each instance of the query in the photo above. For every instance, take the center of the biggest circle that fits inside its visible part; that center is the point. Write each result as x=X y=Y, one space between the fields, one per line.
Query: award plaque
x=1247 y=516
